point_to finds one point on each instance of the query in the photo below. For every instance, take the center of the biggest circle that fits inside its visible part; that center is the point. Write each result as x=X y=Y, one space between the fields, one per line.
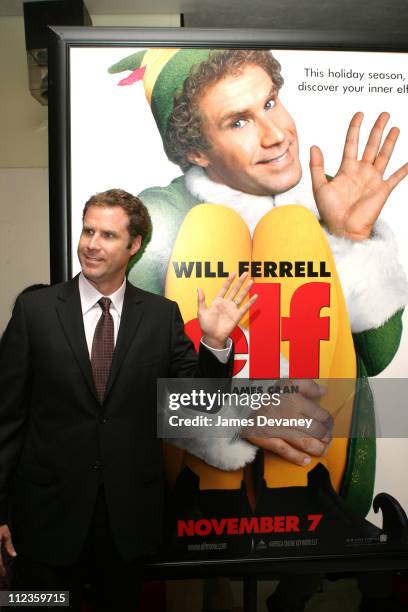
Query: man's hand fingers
x=396 y=177
x=226 y=285
x=350 y=150
x=281 y=448
x=243 y=293
x=317 y=168
x=201 y=305
x=248 y=305
x=374 y=139
x=236 y=287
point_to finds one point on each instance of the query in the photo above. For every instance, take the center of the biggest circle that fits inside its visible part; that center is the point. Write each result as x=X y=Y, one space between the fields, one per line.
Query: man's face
x=254 y=143
x=103 y=246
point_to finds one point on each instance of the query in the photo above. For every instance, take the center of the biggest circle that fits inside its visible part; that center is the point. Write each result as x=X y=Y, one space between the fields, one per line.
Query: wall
x=24 y=251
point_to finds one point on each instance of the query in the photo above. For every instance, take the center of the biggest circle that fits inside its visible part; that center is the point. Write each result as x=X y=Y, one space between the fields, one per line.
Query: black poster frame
x=61 y=40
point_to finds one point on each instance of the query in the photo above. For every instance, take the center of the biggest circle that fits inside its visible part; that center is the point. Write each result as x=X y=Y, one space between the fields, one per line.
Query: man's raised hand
x=351 y=202
x=218 y=320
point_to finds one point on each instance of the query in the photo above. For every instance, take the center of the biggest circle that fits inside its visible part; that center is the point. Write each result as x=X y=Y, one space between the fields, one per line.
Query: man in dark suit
x=80 y=463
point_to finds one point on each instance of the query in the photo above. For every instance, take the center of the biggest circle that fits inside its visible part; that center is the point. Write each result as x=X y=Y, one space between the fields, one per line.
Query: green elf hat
x=163 y=72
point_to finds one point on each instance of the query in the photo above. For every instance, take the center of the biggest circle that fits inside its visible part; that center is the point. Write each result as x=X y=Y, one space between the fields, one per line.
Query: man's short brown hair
x=139 y=219
x=184 y=129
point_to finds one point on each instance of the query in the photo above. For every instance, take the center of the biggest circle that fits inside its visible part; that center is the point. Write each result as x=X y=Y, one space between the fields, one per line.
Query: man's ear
x=135 y=246
x=198 y=158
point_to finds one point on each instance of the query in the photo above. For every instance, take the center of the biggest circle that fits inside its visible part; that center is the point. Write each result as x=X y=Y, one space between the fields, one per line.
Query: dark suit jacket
x=55 y=437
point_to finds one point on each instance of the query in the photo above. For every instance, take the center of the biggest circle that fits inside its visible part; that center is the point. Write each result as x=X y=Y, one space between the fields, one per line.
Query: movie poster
x=232 y=186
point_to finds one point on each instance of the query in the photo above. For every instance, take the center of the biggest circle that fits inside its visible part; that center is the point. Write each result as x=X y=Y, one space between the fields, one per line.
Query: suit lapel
x=132 y=314
x=70 y=315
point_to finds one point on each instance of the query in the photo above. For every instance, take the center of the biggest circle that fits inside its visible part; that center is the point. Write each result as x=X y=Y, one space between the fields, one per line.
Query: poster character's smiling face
x=253 y=139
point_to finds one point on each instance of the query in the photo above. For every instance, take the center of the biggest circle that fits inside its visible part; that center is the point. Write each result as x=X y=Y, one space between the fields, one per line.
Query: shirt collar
x=90 y=295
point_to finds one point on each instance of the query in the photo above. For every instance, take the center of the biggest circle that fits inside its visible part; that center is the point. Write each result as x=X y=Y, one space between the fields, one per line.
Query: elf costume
x=196 y=219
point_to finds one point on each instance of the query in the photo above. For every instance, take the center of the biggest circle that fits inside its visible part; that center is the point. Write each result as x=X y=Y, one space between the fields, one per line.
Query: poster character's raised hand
x=351 y=202
x=218 y=320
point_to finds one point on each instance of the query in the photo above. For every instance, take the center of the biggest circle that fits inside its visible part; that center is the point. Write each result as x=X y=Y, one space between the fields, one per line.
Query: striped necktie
x=102 y=348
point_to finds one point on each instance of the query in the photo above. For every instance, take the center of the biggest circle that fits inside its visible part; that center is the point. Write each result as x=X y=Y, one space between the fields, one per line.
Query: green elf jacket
x=376 y=337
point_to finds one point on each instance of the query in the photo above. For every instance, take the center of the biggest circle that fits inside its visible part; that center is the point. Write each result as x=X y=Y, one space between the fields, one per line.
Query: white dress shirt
x=91 y=313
